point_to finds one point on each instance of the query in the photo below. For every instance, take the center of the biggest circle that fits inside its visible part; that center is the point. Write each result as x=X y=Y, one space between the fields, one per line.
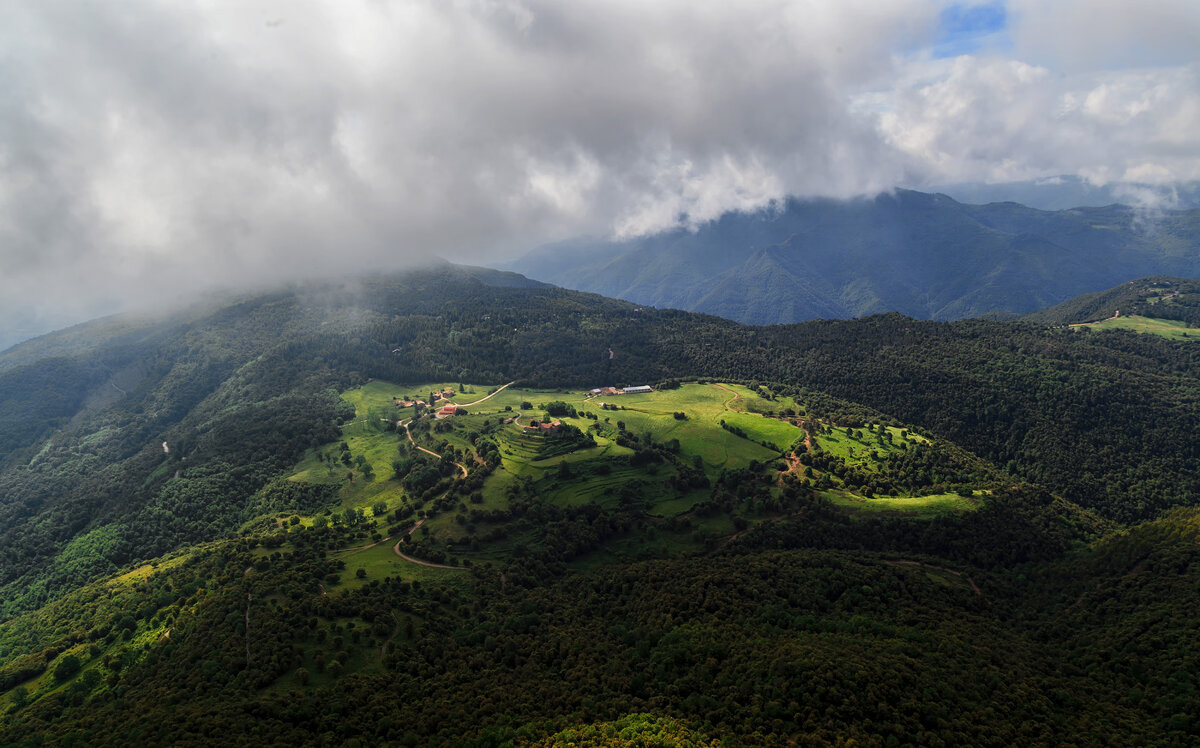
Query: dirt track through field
x=489 y=397
x=417 y=561
x=360 y=547
x=461 y=466
x=736 y=395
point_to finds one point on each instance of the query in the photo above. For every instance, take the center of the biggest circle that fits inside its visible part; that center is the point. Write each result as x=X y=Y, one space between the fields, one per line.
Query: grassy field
x=1166 y=328
x=695 y=423
x=917 y=506
x=705 y=407
x=143 y=572
x=380 y=561
x=865 y=446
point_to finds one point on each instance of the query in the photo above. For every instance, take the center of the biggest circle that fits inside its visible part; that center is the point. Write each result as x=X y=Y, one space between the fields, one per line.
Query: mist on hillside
x=153 y=152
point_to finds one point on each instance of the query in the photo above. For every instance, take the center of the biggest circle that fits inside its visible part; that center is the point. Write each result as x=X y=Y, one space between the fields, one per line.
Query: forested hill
x=239 y=391
x=926 y=256
x=1160 y=297
x=173 y=553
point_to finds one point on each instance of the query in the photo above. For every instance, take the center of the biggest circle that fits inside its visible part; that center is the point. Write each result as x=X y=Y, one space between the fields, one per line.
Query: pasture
x=934 y=505
x=1165 y=328
x=641 y=453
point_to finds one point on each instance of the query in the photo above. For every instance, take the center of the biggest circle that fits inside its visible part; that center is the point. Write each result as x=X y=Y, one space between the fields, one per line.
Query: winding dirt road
x=247 y=629
x=489 y=397
x=411 y=530
x=417 y=561
x=360 y=547
x=408 y=433
x=736 y=395
x=245 y=574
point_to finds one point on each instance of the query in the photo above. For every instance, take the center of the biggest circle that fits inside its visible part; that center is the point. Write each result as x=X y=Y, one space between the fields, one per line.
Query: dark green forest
x=153 y=589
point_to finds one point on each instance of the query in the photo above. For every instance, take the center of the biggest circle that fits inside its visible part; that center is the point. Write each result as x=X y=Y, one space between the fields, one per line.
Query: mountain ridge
x=923 y=255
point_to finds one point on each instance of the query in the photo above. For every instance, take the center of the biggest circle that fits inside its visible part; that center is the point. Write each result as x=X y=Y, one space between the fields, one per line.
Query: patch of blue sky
x=967 y=28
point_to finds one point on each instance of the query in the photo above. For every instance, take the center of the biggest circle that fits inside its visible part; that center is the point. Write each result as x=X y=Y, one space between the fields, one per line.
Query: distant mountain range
x=923 y=255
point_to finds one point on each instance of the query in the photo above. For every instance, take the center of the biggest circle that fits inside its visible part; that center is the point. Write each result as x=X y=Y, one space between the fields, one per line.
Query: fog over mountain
x=153 y=150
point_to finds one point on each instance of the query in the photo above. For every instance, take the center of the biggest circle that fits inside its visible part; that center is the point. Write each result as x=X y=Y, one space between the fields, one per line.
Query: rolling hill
x=1160 y=297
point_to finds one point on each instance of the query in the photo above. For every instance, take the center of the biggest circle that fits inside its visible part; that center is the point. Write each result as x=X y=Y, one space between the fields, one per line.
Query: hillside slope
x=1160 y=297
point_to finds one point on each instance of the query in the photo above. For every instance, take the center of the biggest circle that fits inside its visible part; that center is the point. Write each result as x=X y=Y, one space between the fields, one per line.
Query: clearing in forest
x=660 y=454
x=1166 y=328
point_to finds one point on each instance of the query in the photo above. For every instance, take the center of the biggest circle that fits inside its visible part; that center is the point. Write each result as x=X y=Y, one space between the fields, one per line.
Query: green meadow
x=1166 y=328
x=710 y=428
x=916 y=506
x=865 y=446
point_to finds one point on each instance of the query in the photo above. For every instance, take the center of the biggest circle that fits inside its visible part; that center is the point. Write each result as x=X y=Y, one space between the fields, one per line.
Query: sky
x=151 y=150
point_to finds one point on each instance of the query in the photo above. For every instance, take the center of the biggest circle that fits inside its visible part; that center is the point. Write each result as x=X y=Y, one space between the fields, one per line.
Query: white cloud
x=995 y=120
x=148 y=146
x=1073 y=36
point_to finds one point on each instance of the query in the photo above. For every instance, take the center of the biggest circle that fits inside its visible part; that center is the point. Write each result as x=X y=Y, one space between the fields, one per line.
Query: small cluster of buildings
x=448 y=408
x=638 y=390
x=542 y=427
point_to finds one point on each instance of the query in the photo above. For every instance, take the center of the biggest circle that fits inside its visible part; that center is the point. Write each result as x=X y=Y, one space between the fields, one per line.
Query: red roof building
x=548 y=427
